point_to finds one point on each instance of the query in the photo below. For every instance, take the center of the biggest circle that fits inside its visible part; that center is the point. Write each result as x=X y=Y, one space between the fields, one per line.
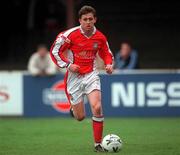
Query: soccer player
x=76 y=49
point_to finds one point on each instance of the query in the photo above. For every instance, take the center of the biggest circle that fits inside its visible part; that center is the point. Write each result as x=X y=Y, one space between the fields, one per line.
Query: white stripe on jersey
x=68 y=32
x=109 y=50
x=59 y=42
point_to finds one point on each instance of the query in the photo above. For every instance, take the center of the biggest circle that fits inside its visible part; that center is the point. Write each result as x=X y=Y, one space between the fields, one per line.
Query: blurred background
x=151 y=26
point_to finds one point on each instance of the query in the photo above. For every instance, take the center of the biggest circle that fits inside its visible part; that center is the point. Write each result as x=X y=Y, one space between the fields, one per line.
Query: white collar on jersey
x=94 y=31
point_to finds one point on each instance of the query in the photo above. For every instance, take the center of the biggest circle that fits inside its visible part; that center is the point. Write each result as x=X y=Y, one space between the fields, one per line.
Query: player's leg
x=74 y=95
x=78 y=111
x=94 y=98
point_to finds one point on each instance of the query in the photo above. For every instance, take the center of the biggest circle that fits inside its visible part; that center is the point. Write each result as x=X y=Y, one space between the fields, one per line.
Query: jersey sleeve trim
x=60 y=45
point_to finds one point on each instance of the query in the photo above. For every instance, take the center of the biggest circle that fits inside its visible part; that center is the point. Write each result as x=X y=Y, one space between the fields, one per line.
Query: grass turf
x=65 y=136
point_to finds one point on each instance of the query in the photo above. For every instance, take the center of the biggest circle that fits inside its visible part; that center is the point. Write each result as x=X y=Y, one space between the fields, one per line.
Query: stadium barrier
x=128 y=93
x=11 y=94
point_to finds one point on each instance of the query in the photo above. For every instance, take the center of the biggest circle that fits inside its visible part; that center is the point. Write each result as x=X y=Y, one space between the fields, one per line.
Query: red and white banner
x=11 y=93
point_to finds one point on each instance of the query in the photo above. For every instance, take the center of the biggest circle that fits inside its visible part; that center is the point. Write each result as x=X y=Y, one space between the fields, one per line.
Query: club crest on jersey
x=95 y=45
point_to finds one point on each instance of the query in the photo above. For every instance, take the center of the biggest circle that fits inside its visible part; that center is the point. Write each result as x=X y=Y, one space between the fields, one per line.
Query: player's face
x=87 y=21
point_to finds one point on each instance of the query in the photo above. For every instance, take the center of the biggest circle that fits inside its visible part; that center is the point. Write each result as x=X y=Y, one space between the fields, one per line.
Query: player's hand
x=74 y=68
x=109 y=69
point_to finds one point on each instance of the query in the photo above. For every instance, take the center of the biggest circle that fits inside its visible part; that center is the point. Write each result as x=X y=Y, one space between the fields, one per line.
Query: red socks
x=97 y=128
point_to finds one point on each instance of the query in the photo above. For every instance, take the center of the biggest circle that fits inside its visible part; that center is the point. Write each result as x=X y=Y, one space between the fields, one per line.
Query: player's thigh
x=77 y=102
x=73 y=89
x=94 y=98
x=78 y=110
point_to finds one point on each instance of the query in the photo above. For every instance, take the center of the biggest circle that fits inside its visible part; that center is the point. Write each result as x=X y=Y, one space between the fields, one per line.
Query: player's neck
x=88 y=33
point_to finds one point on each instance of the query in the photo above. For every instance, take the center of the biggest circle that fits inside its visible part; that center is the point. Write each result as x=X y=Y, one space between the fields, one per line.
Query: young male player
x=76 y=50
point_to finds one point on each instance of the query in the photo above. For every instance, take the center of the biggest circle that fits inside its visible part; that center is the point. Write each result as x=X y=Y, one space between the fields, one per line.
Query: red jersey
x=81 y=49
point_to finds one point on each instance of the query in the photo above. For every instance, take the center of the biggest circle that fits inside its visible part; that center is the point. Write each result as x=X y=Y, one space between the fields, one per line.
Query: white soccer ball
x=112 y=143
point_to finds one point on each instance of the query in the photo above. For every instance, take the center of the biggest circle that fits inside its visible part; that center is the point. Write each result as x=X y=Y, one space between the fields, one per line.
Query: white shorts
x=77 y=86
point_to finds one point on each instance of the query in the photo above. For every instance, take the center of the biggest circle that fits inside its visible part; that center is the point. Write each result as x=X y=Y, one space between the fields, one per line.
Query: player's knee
x=97 y=108
x=80 y=117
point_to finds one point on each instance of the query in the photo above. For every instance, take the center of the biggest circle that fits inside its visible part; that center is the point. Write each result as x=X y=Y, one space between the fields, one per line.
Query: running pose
x=76 y=50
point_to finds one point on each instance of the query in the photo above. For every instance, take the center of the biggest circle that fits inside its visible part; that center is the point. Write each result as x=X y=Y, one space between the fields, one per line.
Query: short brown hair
x=87 y=9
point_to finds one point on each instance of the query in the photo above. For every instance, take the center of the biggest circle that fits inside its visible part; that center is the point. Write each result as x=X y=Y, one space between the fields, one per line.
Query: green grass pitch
x=65 y=136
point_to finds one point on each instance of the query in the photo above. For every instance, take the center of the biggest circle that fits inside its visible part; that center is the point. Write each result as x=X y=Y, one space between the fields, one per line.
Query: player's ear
x=80 y=20
x=95 y=19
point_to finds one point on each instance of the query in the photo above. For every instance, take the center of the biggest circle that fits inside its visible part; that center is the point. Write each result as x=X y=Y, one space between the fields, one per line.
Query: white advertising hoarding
x=11 y=94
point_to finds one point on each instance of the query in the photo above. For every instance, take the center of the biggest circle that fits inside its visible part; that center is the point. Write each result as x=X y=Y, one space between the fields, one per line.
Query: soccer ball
x=112 y=143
